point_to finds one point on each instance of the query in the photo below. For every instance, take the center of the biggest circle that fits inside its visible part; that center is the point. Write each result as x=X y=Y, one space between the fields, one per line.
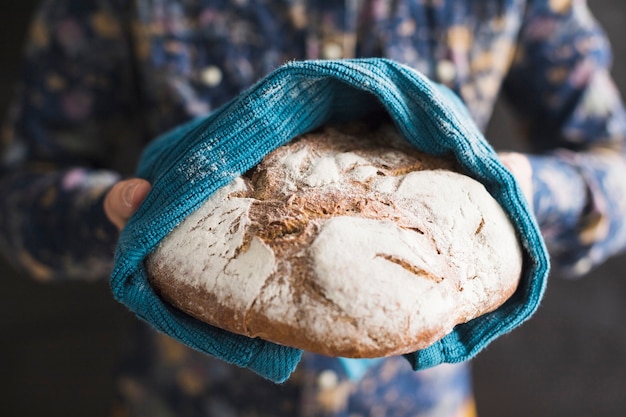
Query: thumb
x=520 y=167
x=123 y=199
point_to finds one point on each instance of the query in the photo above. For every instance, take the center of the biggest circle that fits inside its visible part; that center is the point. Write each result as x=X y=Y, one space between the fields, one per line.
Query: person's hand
x=520 y=167
x=123 y=199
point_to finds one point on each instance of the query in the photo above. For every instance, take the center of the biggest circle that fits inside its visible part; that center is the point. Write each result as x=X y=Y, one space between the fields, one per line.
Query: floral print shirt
x=101 y=78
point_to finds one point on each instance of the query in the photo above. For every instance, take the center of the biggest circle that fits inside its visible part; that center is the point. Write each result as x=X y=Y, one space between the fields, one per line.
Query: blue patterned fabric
x=187 y=165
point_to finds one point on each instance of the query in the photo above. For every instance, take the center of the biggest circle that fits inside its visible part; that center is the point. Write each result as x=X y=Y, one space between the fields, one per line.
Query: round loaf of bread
x=345 y=242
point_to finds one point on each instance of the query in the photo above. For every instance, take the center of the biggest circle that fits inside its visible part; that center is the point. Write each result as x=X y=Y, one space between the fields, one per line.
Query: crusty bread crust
x=345 y=242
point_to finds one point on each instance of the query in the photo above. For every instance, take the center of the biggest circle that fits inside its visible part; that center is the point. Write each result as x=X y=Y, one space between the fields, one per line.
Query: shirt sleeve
x=573 y=116
x=64 y=141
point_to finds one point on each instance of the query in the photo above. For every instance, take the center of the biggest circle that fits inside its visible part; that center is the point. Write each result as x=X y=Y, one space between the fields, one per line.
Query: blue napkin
x=188 y=164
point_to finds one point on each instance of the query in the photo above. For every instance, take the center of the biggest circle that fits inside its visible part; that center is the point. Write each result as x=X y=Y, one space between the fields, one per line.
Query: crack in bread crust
x=414 y=269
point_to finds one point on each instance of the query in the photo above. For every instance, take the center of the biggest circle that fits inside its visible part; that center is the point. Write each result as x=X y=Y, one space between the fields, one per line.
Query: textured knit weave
x=187 y=165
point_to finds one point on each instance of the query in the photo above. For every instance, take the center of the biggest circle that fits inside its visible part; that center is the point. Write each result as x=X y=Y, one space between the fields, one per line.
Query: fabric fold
x=188 y=164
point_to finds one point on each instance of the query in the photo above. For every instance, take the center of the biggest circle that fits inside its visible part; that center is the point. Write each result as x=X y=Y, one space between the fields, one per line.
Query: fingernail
x=129 y=192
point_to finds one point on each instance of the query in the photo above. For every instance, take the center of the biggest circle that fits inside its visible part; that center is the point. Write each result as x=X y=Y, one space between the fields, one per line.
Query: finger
x=123 y=199
x=520 y=167
x=137 y=194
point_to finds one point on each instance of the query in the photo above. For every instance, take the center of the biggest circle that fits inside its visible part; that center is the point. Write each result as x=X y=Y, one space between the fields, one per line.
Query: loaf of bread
x=347 y=242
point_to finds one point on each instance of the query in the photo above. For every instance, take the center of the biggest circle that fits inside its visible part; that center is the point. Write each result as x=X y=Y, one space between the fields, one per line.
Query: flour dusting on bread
x=345 y=242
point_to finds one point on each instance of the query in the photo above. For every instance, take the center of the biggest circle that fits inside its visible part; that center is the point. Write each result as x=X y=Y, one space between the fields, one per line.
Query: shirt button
x=446 y=71
x=211 y=76
x=332 y=50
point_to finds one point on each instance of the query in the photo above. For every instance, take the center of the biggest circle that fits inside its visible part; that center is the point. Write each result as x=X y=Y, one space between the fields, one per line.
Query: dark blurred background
x=59 y=342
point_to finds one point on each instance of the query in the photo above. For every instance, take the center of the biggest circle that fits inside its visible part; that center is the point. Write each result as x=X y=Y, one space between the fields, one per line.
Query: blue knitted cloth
x=188 y=164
